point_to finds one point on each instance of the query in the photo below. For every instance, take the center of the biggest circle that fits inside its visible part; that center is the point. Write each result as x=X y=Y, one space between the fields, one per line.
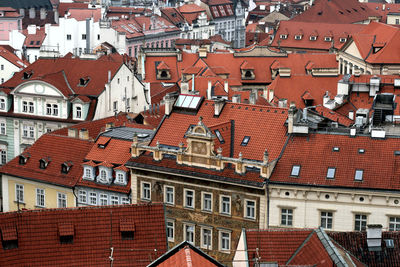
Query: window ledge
x=207 y=211
x=40 y=207
x=169 y=204
x=225 y=214
x=188 y=208
x=22 y=203
x=250 y=219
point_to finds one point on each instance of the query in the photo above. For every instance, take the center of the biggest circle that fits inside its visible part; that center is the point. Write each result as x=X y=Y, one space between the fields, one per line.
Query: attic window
x=84 y=81
x=389 y=243
x=313 y=38
x=359 y=175
x=219 y=136
x=66 y=233
x=103 y=143
x=248 y=74
x=283 y=36
x=328 y=39
x=397 y=152
x=297 y=37
x=44 y=162
x=342 y=40
x=9 y=238
x=361 y=151
x=335 y=149
x=27 y=74
x=23 y=159
x=127 y=228
x=245 y=141
x=164 y=74
x=173 y=15
x=66 y=166
x=295 y=170
x=330 y=174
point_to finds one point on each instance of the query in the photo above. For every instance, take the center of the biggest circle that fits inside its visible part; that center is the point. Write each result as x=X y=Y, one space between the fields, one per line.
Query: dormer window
x=27 y=74
x=127 y=228
x=84 y=81
x=9 y=237
x=23 y=158
x=66 y=166
x=313 y=38
x=88 y=172
x=66 y=233
x=342 y=40
x=105 y=173
x=78 y=112
x=283 y=36
x=2 y=104
x=44 y=162
x=328 y=39
x=120 y=177
x=163 y=71
x=298 y=37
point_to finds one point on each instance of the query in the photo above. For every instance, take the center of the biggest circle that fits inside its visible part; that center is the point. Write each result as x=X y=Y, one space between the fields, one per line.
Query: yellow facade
x=51 y=194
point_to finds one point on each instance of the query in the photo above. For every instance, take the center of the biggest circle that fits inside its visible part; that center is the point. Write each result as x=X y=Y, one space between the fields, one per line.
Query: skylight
x=359 y=175
x=295 y=170
x=245 y=141
x=335 y=149
x=330 y=174
x=219 y=136
x=361 y=150
x=188 y=101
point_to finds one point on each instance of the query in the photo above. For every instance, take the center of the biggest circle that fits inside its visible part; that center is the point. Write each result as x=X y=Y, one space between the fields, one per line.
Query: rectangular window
x=394 y=223
x=40 y=197
x=120 y=178
x=78 y=112
x=55 y=109
x=114 y=200
x=170 y=230
x=83 y=36
x=360 y=222
x=189 y=233
x=326 y=219
x=19 y=193
x=61 y=200
x=287 y=217
x=146 y=191
x=225 y=241
x=2 y=67
x=82 y=196
x=169 y=195
x=189 y=198
x=93 y=198
x=330 y=174
x=358 y=176
x=48 y=109
x=2 y=103
x=245 y=141
x=3 y=127
x=207 y=201
x=31 y=132
x=3 y=154
x=25 y=131
x=31 y=107
x=250 y=209
x=24 y=106
x=225 y=207
x=88 y=173
x=125 y=200
x=69 y=37
x=295 y=170
x=115 y=103
x=206 y=238
x=103 y=200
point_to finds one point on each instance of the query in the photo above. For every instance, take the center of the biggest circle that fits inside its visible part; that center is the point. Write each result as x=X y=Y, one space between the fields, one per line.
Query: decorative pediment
x=200 y=140
x=37 y=88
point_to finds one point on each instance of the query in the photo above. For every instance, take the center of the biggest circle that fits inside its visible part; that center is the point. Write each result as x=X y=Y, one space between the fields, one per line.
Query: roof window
x=359 y=175
x=245 y=141
x=66 y=166
x=298 y=37
x=84 y=81
x=127 y=228
x=295 y=170
x=389 y=243
x=335 y=149
x=328 y=39
x=103 y=142
x=361 y=151
x=191 y=102
x=23 y=158
x=9 y=238
x=27 y=74
x=313 y=38
x=342 y=40
x=219 y=136
x=330 y=174
x=397 y=152
x=44 y=162
x=283 y=36
x=66 y=233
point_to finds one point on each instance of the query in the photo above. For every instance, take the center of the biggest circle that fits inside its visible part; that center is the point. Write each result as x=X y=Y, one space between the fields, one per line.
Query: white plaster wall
x=8 y=70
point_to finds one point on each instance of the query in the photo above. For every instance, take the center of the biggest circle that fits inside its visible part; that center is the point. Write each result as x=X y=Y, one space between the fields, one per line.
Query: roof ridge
x=301 y=246
x=330 y=248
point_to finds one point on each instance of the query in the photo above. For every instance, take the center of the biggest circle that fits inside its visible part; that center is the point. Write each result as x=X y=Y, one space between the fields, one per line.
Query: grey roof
x=127 y=133
x=17 y=4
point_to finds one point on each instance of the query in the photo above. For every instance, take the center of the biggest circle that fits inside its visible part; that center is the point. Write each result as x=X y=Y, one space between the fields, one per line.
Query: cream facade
x=29 y=194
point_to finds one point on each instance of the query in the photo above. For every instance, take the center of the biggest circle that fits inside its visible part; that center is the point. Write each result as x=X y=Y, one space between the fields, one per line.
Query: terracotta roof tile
x=93 y=230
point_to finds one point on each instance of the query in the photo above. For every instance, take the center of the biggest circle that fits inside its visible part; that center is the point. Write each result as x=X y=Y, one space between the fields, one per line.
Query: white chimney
x=209 y=96
x=218 y=106
x=282 y=103
x=31 y=29
x=270 y=95
x=226 y=86
x=236 y=99
x=169 y=100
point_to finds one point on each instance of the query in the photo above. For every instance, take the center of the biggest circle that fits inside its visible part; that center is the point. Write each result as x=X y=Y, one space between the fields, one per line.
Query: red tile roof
x=63 y=8
x=334 y=116
x=318 y=30
x=12 y=58
x=34 y=40
x=59 y=149
x=83 y=14
x=116 y=152
x=377 y=159
x=384 y=9
x=265 y=119
x=336 y=11
x=97 y=238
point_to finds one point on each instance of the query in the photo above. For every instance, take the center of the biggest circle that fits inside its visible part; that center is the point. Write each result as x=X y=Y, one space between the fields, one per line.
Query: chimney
x=266 y=156
x=252 y=98
x=109 y=76
x=109 y=125
x=169 y=100
x=192 y=82
x=84 y=134
x=291 y=113
x=374 y=237
x=219 y=104
x=236 y=99
x=209 y=96
x=43 y=13
x=271 y=95
x=72 y=132
x=32 y=13
x=226 y=86
x=282 y=103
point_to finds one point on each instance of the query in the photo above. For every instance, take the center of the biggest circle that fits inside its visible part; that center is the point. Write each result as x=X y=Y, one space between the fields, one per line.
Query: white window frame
x=88 y=170
x=103 y=199
x=202 y=238
x=120 y=177
x=394 y=223
x=19 y=191
x=326 y=215
x=61 y=200
x=185 y=232
x=169 y=197
x=221 y=238
x=125 y=200
x=286 y=218
x=361 y=219
x=145 y=193
x=78 y=112
x=358 y=175
x=203 y=204
x=114 y=200
x=82 y=196
x=3 y=156
x=3 y=127
x=295 y=172
x=222 y=203
x=246 y=207
x=40 y=197
x=93 y=198
x=170 y=226
x=31 y=130
x=48 y=109
x=3 y=103
x=103 y=176
x=31 y=107
x=25 y=106
x=55 y=108
x=186 y=198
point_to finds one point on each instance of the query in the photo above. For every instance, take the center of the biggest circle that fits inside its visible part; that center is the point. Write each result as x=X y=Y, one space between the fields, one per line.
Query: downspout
x=268 y=200
x=76 y=197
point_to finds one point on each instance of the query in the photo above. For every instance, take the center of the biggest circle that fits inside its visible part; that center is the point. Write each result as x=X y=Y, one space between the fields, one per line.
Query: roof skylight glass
x=330 y=174
x=245 y=141
x=295 y=170
x=359 y=175
x=188 y=101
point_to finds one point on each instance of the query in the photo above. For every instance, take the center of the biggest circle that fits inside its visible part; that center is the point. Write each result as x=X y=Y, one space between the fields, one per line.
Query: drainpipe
x=266 y=181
